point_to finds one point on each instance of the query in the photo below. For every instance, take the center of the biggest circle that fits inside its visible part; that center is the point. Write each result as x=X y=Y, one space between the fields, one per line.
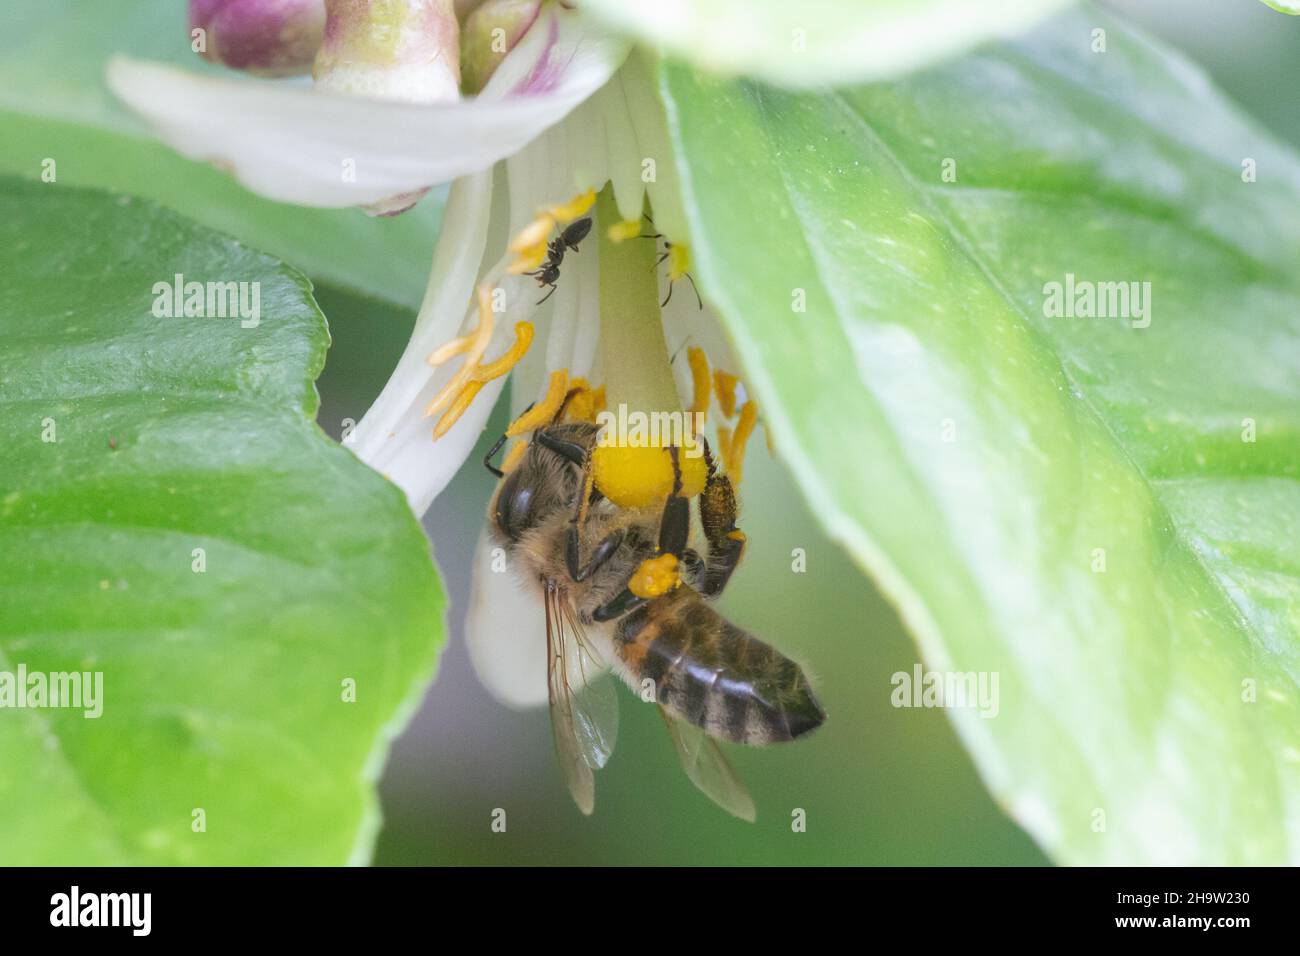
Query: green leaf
x=817 y=42
x=982 y=460
x=171 y=517
x=1284 y=6
x=54 y=106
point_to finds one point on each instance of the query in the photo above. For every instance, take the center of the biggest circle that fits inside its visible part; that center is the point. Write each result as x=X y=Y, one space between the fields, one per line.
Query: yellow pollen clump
x=627 y=229
x=655 y=576
x=542 y=413
x=642 y=475
x=679 y=261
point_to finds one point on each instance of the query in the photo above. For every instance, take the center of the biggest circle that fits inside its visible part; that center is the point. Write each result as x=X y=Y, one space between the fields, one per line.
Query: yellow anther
x=513 y=456
x=529 y=244
x=457 y=409
x=699 y=363
x=724 y=445
x=510 y=357
x=637 y=476
x=478 y=345
x=734 y=451
x=655 y=576
x=534 y=234
x=581 y=407
x=449 y=350
x=627 y=229
x=724 y=383
x=528 y=260
x=542 y=413
x=679 y=261
x=575 y=207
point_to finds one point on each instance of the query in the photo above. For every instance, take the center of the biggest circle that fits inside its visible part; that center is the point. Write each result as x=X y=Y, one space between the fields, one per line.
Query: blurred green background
x=878 y=784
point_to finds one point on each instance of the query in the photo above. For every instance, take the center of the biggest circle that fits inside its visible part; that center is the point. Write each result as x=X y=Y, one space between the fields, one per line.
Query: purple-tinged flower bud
x=267 y=37
x=491 y=32
x=403 y=50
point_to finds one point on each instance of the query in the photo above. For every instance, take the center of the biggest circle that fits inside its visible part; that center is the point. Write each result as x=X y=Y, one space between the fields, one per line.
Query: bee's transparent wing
x=584 y=702
x=708 y=768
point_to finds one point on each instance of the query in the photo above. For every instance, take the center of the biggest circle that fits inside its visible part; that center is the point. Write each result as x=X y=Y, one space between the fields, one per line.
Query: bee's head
x=545 y=481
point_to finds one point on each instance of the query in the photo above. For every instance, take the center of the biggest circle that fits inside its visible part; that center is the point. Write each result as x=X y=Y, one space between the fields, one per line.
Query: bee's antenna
x=487 y=459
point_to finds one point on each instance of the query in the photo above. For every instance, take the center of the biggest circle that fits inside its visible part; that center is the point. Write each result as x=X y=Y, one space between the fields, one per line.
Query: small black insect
x=569 y=238
x=667 y=253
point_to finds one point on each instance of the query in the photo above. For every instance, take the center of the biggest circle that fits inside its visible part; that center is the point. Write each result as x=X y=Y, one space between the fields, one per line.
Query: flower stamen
x=703 y=383
x=481 y=336
x=545 y=410
x=724 y=383
x=733 y=450
x=581 y=405
x=463 y=387
x=510 y=357
x=576 y=207
x=515 y=453
x=457 y=409
x=530 y=243
x=626 y=229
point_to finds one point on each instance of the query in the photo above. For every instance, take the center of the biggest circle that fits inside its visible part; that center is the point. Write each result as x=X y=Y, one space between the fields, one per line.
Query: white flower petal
x=394 y=437
x=505 y=630
x=319 y=149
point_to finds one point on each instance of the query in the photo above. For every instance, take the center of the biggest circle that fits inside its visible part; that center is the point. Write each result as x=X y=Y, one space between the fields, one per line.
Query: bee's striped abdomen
x=711 y=673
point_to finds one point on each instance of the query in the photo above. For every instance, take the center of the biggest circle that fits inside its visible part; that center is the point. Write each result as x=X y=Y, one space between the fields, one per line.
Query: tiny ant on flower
x=679 y=261
x=549 y=273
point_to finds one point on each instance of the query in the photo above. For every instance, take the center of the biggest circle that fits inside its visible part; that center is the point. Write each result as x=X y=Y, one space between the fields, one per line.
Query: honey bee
x=710 y=679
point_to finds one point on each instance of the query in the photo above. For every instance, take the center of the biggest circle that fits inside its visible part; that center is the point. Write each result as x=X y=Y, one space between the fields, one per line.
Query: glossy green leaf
x=816 y=42
x=1284 y=6
x=55 y=109
x=1104 y=512
x=172 y=518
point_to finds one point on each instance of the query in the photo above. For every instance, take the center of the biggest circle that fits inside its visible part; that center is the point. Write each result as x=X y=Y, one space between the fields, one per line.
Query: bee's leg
x=693 y=568
x=617 y=606
x=668 y=296
x=718 y=517
x=675 y=525
x=602 y=553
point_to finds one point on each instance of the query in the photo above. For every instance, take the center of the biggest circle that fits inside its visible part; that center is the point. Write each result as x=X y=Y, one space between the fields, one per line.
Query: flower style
x=567 y=127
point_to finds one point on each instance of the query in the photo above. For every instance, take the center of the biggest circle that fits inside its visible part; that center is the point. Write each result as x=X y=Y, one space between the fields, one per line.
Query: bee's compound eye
x=514 y=504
